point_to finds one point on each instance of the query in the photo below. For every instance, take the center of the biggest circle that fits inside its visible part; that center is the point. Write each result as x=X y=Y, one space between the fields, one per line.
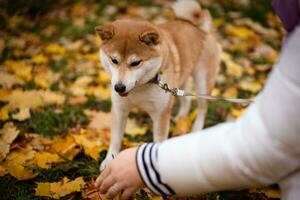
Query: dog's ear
x=150 y=38
x=106 y=32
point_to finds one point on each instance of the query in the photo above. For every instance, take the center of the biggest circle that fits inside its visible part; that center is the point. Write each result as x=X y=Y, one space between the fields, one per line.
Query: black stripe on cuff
x=146 y=158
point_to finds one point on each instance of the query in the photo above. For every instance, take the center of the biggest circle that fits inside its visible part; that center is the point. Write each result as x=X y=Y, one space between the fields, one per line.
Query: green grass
x=50 y=121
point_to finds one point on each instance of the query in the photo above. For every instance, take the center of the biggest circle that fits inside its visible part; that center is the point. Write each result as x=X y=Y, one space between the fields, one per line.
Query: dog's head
x=131 y=52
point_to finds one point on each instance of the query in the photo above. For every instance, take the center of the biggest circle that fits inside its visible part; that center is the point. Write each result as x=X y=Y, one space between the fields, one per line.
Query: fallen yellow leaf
x=2 y=171
x=240 y=32
x=132 y=128
x=45 y=79
x=4 y=113
x=23 y=114
x=236 y=113
x=17 y=164
x=55 y=49
x=8 y=80
x=65 y=147
x=183 y=125
x=91 y=142
x=103 y=77
x=252 y=86
x=39 y=59
x=230 y=92
x=269 y=192
x=32 y=99
x=59 y=189
x=44 y=160
x=7 y=135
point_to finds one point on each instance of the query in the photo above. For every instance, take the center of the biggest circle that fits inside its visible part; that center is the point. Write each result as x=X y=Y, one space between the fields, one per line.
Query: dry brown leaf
x=59 y=189
x=269 y=192
x=77 y=100
x=100 y=120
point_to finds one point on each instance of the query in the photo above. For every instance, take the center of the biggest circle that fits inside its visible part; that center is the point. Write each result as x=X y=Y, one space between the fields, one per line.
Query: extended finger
x=106 y=184
x=127 y=193
x=113 y=191
x=102 y=177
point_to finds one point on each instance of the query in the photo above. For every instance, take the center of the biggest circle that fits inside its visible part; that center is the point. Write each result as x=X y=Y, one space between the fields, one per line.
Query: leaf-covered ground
x=55 y=96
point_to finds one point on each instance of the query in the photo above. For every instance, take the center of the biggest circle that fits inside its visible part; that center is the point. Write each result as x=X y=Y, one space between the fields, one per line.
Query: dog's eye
x=115 y=61
x=135 y=63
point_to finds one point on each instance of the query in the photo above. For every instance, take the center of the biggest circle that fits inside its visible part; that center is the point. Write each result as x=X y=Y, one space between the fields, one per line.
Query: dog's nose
x=120 y=87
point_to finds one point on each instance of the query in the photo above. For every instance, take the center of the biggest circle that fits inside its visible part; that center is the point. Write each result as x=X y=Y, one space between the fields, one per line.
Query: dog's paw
x=105 y=162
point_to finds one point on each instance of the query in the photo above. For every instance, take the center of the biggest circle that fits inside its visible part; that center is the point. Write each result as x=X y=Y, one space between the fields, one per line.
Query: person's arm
x=260 y=148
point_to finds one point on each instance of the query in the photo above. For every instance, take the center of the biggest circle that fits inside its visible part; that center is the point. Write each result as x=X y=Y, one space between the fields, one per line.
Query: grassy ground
x=28 y=28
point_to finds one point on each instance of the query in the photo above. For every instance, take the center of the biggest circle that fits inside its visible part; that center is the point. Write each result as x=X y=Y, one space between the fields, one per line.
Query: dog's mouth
x=124 y=94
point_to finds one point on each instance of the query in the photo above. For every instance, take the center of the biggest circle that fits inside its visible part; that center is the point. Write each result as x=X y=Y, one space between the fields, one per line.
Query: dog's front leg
x=119 y=118
x=161 y=123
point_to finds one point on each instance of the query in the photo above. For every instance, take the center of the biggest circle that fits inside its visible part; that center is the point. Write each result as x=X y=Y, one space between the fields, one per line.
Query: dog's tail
x=190 y=10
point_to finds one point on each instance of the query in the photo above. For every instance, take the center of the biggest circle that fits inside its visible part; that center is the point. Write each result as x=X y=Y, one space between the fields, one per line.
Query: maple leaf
x=7 y=135
x=66 y=147
x=91 y=142
x=59 y=189
x=44 y=159
x=17 y=163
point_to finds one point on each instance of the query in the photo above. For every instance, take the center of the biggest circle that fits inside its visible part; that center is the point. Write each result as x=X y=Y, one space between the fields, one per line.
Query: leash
x=181 y=93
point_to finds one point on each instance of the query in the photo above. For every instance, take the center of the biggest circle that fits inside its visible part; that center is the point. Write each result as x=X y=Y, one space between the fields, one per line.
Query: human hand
x=120 y=176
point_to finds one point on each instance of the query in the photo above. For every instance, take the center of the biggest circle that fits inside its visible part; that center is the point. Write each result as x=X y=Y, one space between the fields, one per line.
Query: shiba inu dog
x=136 y=52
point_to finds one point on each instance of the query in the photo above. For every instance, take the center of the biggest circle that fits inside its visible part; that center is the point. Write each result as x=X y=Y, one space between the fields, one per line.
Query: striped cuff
x=146 y=160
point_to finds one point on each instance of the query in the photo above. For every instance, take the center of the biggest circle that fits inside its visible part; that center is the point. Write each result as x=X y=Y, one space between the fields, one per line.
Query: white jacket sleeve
x=261 y=148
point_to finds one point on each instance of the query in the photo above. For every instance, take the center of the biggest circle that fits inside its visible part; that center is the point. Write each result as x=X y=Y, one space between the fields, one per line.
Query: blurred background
x=55 y=95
